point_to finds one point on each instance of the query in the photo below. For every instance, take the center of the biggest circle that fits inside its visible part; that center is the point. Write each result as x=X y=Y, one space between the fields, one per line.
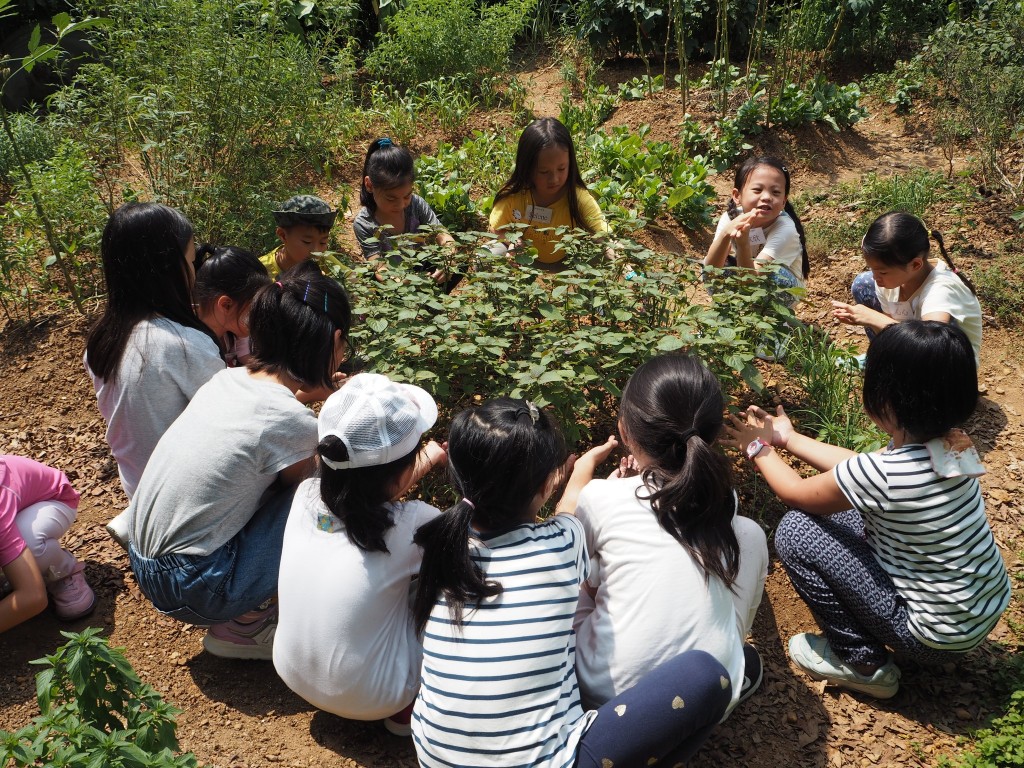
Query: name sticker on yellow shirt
x=539 y=214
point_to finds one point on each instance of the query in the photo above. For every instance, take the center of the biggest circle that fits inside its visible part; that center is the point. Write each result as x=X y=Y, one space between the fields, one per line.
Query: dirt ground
x=240 y=714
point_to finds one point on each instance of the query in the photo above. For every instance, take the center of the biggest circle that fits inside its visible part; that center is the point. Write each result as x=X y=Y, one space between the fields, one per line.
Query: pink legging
x=41 y=525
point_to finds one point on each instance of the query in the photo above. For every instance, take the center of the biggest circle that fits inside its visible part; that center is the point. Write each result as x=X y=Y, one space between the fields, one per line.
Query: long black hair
x=500 y=455
x=388 y=166
x=922 y=376
x=743 y=174
x=146 y=274
x=896 y=239
x=539 y=135
x=671 y=410
x=358 y=496
x=292 y=323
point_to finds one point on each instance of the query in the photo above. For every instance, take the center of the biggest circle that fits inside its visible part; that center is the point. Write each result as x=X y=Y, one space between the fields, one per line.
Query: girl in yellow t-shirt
x=546 y=191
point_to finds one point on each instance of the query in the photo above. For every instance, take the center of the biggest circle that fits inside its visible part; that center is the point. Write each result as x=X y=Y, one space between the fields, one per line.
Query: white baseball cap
x=377 y=419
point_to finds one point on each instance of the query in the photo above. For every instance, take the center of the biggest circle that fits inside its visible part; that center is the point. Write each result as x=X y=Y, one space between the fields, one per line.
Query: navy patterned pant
x=855 y=602
x=863 y=290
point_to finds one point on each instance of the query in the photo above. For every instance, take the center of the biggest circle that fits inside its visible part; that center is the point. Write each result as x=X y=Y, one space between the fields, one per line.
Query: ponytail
x=949 y=262
x=671 y=410
x=693 y=501
x=448 y=567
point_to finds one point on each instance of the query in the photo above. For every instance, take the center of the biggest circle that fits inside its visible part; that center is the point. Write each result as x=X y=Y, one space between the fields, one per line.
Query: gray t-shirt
x=417 y=215
x=210 y=470
x=162 y=367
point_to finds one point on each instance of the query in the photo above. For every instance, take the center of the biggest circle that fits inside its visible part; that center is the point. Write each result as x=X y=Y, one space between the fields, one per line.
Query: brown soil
x=240 y=714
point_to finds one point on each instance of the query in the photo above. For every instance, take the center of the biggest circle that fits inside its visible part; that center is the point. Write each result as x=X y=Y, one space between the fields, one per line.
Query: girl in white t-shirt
x=902 y=284
x=760 y=226
x=668 y=516
x=149 y=352
x=495 y=601
x=890 y=550
x=345 y=639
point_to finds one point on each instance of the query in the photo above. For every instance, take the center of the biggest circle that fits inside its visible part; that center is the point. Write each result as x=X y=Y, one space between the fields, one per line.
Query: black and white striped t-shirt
x=503 y=692
x=930 y=534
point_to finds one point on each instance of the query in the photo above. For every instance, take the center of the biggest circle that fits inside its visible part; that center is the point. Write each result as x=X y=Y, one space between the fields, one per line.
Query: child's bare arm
x=29 y=595
x=582 y=473
x=737 y=233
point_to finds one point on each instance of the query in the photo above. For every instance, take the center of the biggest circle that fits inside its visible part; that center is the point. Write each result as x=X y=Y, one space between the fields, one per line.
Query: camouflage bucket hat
x=304 y=209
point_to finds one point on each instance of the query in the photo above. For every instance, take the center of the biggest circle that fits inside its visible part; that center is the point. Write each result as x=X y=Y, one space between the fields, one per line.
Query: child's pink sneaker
x=72 y=596
x=250 y=636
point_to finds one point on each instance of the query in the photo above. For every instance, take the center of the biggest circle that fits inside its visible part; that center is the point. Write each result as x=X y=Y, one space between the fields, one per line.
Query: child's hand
x=597 y=455
x=739 y=227
x=852 y=314
x=782 y=427
x=742 y=431
x=627 y=468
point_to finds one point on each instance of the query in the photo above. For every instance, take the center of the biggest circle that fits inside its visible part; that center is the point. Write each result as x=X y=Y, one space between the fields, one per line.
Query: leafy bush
x=33 y=140
x=95 y=712
x=65 y=185
x=428 y=39
x=837 y=105
x=216 y=108
x=979 y=68
x=568 y=339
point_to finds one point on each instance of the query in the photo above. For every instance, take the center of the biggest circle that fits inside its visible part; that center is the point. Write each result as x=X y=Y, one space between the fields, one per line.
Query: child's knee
x=863 y=288
x=44 y=522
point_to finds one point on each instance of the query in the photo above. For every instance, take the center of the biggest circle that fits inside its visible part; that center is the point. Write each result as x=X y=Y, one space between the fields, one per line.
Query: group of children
x=612 y=632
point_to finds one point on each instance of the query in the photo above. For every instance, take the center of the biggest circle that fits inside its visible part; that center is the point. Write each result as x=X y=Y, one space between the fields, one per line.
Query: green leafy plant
x=568 y=339
x=655 y=175
x=32 y=139
x=428 y=39
x=999 y=746
x=95 y=712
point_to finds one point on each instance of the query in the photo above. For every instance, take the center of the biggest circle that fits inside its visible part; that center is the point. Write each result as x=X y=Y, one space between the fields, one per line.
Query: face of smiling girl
x=764 y=191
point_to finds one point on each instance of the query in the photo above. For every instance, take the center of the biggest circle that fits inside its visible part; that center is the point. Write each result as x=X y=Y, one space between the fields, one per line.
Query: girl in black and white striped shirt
x=495 y=602
x=912 y=566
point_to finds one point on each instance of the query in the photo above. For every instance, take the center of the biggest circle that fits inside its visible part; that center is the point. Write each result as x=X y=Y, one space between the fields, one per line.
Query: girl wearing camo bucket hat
x=345 y=639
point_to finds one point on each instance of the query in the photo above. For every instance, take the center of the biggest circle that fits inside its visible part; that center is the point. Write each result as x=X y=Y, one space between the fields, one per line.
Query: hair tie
x=384 y=141
x=306 y=294
x=687 y=434
x=532 y=412
x=467 y=501
x=278 y=284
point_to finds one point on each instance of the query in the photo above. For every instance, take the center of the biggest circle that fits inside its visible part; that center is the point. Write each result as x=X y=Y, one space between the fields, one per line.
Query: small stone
x=963 y=714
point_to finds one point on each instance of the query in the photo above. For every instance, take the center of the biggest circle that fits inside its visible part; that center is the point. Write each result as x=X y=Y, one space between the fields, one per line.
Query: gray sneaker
x=814 y=656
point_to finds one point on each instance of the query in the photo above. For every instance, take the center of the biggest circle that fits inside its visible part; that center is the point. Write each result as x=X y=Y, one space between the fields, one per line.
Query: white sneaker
x=814 y=655
x=118 y=529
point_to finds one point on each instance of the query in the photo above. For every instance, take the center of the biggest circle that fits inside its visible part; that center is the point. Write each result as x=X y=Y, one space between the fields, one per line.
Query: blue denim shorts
x=236 y=578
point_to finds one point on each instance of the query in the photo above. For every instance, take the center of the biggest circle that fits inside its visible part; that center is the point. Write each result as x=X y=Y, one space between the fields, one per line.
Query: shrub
x=95 y=712
x=33 y=139
x=568 y=339
x=212 y=104
x=979 y=68
x=428 y=39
